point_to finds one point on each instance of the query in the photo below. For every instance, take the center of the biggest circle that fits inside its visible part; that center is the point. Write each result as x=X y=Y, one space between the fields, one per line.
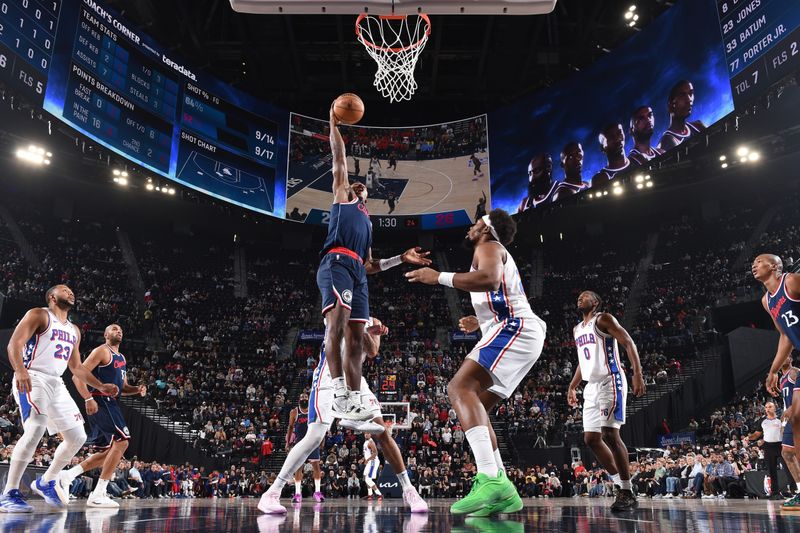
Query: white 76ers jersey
x=368 y=452
x=508 y=301
x=598 y=354
x=49 y=351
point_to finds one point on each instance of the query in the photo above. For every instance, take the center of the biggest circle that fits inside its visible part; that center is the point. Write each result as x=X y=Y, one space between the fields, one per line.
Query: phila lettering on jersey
x=598 y=353
x=49 y=351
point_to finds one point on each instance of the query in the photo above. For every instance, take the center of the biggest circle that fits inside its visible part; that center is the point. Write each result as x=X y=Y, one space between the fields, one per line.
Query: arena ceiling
x=472 y=63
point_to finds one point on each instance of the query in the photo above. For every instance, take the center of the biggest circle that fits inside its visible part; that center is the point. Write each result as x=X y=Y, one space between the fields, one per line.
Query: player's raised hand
x=334 y=118
x=23 y=381
x=428 y=276
x=572 y=397
x=109 y=389
x=639 y=387
x=416 y=256
x=468 y=324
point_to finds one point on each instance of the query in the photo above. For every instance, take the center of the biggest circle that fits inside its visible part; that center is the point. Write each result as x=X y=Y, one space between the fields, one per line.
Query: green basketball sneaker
x=792 y=504
x=509 y=505
x=485 y=491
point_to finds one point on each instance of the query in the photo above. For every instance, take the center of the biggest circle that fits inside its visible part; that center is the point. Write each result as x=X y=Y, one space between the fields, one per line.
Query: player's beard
x=467 y=244
x=64 y=303
x=304 y=404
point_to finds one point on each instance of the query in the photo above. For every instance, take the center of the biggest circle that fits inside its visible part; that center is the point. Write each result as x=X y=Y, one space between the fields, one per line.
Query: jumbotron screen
x=662 y=87
x=427 y=177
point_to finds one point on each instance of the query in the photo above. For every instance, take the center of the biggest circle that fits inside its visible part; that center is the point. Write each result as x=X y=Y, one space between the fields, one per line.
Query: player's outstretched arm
x=80 y=371
x=341 y=181
x=33 y=322
x=133 y=390
x=784 y=351
x=412 y=256
x=290 y=426
x=98 y=356
x=486 y=277
x=606 y=323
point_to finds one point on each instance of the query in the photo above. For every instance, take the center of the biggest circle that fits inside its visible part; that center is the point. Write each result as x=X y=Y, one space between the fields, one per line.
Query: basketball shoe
x=486 y=491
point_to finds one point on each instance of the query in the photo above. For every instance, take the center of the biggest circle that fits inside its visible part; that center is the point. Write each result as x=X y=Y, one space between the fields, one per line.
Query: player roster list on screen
x=119 y=87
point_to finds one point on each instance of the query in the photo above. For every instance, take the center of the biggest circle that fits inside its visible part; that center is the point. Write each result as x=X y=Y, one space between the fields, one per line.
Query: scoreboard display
x=762 y=43
x=116 y=85
x=27 y=38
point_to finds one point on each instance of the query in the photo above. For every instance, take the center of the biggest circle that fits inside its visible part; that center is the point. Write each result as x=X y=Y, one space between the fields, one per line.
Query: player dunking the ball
x=513 y=337
x=43 y=345
x=297 y=429
x=109 y=431
x=597 y=338
x=320 y=418
x=342 y=280
x=782 y=302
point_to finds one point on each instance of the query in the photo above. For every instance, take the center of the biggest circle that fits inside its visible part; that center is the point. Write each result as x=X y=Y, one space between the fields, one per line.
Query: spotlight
x=639 y=178
x=618 y=190
x=605 y=193
x=724 y=165
x=647 y=177
x=591 y=195
x=742 y=151
x=116 y=172
x=648 y=184
x=149 y=186
x=754 y=156
x=722 y=158
x=164 y=190
x=743 y=159
x=158 y=189
x=172 y=191
x=632 y=23
x=635 y=17
x=628 y=15
x=632 y=8
x=640 y=185
x=34 y=155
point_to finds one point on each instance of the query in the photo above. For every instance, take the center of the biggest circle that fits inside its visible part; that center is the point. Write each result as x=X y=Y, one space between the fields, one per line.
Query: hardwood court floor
x=357 y=516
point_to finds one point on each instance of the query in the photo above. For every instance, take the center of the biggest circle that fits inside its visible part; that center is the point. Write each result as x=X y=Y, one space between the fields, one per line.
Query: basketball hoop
x=395 y=44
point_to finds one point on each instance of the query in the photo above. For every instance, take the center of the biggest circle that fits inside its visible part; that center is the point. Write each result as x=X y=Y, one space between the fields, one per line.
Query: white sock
x=625 y=484
x=404 y=481
x=377 y=491
x=481 y=444
x=100 y=488
x=369 y=490
x=339 y=384
x=499 y=460
x=616 y=479
x=277 y=487
x=317 y=483
x=355 y=396
x=15 y=471
x=298 y=487
x=74 y=472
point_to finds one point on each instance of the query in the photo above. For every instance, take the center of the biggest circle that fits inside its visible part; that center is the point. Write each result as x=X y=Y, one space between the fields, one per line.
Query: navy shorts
x=788 y=439
x=107 y=424
x=342 y=280
x=314 y=456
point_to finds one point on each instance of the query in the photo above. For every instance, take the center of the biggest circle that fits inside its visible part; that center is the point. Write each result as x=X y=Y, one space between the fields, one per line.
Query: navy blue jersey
x=787 y=389
x=349 y=227
x=300 y=425
x=113 y=372
x=786 y=312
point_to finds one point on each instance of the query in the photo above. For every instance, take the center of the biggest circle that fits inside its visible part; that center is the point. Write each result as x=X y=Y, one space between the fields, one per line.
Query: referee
x=772 y=431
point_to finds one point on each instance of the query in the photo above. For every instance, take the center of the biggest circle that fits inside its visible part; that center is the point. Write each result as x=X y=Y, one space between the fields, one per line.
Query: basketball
x=348 y=108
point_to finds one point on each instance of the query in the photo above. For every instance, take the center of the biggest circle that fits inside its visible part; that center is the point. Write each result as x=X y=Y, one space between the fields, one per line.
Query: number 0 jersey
x=49 y=351
x=509 y=301
x=786 y=312
x=598 y=353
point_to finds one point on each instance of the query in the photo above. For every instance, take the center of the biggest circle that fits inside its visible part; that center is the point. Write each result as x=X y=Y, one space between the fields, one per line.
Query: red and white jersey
x=49 y=351
x=598 y=353
x=509 y=301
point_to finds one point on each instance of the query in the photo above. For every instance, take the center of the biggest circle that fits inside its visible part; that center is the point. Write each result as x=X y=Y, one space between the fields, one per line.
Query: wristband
x=386 y=264
x=89 y=399
x=446 y=278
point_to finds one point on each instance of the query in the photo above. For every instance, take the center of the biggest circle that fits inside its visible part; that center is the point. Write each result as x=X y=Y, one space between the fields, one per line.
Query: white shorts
x=371 y=469
x=321 y=399
x=604 y=403
x=508 y=351
x=49 y=403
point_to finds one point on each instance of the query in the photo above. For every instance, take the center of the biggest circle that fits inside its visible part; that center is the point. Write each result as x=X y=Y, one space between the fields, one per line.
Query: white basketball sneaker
x=101 y=500
x=270 y=503
x=414 y=501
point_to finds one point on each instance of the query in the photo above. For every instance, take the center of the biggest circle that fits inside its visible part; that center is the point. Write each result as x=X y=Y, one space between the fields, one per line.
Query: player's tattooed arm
x=341 y=180
x=34 y=321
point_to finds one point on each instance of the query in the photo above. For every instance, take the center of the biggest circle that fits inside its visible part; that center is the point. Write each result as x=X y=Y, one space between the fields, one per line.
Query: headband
x=488 y=222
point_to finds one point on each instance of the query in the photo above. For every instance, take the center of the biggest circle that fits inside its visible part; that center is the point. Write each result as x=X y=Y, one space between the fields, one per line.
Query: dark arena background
x=171 y=165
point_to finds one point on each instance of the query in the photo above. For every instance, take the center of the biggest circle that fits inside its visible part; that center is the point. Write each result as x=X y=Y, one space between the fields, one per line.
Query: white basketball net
x=395 y=43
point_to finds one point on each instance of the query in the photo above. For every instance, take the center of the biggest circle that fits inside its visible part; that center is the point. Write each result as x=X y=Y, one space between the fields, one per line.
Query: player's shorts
x=342 y=280
x=508 y=351
x=604 y=403
x=320 y=402
x=371 y=469
x=107 y=424
x=49 y=402
x=788 y=438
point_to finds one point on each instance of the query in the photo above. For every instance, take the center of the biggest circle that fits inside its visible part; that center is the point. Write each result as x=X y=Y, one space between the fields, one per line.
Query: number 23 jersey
x=786 y=312
x=49 y=351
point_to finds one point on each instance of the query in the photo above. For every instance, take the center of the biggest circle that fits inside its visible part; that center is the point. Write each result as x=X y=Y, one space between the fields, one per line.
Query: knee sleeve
x=74 y=439
x=301 y=450
x=27 y=444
